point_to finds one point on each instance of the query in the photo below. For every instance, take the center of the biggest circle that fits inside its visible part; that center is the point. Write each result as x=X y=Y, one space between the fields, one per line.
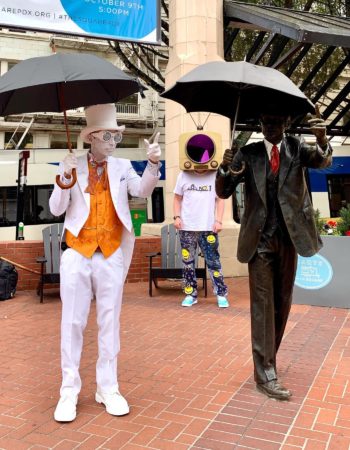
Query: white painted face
x=103 y=143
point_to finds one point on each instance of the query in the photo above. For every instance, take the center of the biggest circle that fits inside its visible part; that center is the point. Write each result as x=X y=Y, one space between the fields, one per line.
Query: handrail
x=128 y=109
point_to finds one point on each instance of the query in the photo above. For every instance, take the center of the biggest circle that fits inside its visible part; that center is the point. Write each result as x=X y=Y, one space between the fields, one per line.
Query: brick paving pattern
x=186 y=372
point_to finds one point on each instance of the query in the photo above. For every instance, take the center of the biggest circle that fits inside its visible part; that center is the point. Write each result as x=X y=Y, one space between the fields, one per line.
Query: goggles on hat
x=106 y=136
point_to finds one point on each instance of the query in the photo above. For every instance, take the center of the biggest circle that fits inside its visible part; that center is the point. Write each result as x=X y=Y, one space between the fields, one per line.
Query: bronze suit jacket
x=293 y=195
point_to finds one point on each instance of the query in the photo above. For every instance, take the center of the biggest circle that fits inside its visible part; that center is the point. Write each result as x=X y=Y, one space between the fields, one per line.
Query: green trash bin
x=138 y=211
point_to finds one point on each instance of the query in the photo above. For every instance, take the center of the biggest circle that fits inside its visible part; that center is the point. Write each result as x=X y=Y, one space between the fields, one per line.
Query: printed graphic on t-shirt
x=198 y=200
x=193 y=187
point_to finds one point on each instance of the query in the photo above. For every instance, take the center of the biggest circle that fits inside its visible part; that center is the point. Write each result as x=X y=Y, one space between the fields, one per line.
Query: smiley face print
x=211 y=239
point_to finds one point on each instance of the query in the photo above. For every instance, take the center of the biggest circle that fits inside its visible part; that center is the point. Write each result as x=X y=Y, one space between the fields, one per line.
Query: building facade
x=43 y=134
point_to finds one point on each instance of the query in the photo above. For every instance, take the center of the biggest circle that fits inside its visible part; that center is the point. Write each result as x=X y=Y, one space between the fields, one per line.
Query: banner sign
x=134 y=20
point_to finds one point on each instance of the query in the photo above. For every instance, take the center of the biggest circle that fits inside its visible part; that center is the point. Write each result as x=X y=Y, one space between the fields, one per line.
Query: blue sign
x=140 y=166
x=314 y=272
x=128 y=20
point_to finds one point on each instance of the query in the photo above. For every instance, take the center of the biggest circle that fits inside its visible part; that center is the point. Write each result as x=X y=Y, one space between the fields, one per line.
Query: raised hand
x=153 y=149
x=318 y=127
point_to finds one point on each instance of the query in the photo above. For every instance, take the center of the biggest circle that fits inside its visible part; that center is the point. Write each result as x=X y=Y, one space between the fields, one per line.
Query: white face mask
x=101 y=148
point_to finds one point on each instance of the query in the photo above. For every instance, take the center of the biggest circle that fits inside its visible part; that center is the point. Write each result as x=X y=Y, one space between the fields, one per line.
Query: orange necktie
x=95 y=176
x=275 y=159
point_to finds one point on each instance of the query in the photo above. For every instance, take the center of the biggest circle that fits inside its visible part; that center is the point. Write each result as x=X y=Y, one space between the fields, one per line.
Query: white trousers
x=82 y=279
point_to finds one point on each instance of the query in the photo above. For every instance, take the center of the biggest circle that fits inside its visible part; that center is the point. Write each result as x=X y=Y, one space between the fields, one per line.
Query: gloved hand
x=153 y=149
x=318 y=127
x=70 y=162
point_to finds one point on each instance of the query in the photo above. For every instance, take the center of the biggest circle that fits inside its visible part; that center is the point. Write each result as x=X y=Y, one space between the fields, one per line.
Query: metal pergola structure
x=282 y=38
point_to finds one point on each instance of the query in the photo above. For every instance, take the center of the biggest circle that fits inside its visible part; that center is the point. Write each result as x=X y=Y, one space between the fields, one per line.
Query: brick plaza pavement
x=186 y=372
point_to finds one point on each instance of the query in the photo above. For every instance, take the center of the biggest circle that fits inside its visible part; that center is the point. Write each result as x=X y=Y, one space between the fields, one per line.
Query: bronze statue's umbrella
x=238 y=90
x=63 y=81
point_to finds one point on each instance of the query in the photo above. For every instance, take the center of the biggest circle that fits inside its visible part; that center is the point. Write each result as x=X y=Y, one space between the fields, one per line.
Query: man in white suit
x=100 y=240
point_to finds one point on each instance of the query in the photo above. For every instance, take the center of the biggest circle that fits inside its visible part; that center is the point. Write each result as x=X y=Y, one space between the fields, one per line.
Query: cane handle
x=71 y=184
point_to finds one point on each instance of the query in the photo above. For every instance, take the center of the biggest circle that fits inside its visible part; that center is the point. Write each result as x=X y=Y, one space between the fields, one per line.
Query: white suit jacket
x=123 y=179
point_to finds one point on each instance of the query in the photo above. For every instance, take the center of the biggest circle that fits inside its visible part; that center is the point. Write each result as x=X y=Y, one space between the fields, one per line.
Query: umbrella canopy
x=238 y=90
x=62 y=81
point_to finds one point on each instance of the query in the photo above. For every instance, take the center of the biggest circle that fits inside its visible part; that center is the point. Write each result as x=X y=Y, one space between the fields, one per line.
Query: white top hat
x=100 y=117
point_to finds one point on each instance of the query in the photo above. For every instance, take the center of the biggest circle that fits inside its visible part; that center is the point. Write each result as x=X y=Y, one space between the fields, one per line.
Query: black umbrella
x=238 y=90
x=63 y=81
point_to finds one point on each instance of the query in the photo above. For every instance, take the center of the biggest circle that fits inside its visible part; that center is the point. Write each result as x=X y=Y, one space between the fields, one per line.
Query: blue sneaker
x=222 y=302
x=189 y=301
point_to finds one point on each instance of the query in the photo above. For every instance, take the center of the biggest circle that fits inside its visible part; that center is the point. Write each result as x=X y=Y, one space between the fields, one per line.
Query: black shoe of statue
x=274 y=389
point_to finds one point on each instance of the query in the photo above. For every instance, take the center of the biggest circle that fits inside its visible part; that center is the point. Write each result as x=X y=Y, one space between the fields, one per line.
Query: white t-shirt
x=198 y=200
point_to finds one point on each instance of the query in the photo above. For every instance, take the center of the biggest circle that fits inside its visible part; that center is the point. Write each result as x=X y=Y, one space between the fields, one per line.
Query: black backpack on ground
x=8 y=280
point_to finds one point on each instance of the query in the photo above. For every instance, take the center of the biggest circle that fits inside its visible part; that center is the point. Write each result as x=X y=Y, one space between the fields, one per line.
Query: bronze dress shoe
x=274 y=389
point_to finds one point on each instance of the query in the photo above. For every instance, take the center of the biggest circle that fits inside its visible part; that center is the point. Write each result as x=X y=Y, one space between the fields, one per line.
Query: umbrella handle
x=63 y=107
x=237 y=172
x=71 y=184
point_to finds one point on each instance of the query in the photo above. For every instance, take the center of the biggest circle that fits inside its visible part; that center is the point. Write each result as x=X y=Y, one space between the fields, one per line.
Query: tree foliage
x=147 y=61
x=332 y=7
x=281 y=45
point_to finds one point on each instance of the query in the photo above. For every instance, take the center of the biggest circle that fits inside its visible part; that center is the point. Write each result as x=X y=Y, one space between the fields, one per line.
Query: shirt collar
x=93 y=162
x=269 y=145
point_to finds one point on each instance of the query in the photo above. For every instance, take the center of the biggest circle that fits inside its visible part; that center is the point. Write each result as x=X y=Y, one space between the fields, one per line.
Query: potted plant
x=326 y=227
x=344 y=222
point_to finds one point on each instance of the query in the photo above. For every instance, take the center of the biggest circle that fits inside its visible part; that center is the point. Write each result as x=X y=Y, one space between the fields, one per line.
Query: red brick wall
x=26 y=252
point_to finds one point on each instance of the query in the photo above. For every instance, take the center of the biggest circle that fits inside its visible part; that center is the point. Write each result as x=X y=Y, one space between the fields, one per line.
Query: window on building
x=128 y=105
x=338 y=192
x=36 y=205
x=12 y=139
x=8 y=206
x=11 y=64
x=129 y=142
x=59 y=140
x=132 y=99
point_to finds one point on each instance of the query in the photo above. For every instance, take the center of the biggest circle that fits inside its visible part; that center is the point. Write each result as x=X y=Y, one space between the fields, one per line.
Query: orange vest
x=102 y=229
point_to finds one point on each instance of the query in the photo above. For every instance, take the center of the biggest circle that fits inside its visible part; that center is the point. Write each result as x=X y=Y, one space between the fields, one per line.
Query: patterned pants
x=209 y=244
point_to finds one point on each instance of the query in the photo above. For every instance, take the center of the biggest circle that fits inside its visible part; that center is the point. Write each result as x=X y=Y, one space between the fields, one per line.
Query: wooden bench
x=171 y=261
x=51 y=259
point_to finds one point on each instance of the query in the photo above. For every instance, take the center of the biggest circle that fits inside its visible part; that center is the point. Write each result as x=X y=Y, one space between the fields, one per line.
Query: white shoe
x=66 y=409
x=115 y=403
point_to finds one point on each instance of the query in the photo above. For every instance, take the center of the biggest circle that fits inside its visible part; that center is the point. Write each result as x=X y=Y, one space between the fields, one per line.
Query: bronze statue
x=278 y=222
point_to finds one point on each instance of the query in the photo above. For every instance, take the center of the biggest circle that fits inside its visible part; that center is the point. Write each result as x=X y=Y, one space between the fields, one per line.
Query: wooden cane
x=20 y=266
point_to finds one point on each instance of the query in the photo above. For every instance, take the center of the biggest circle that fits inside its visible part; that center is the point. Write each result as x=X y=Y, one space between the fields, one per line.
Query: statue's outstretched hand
x=318 y=127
